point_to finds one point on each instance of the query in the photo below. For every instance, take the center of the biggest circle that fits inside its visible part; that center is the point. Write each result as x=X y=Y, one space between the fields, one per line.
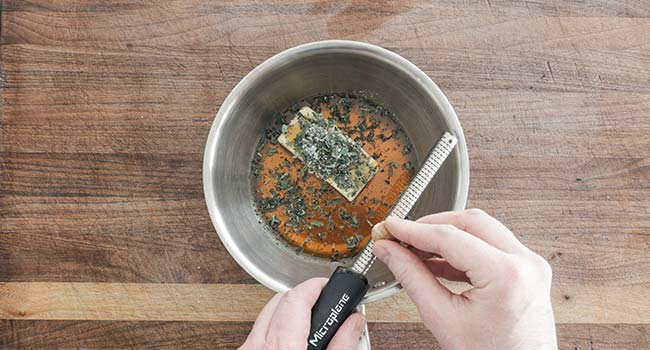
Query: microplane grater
x=348 y=286
x=409 y=197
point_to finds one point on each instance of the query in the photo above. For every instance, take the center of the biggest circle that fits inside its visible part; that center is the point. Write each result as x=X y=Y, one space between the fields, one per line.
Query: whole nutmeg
x=379 y=232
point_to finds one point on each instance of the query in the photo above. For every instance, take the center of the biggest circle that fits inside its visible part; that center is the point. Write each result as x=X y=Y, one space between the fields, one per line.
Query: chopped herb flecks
x=353 y=241
x=391 y=166
x=307 y=211
x=328 y=153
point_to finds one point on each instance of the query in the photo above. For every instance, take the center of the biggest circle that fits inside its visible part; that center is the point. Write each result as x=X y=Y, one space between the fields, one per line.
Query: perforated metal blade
x=413 y=191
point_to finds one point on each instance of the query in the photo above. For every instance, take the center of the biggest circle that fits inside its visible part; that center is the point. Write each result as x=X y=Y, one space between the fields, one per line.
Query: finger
x=347 y=337
x=411 y=272
x=422 y=254
x=258 y=333
x=289 y=327
x=480 y=224
x=467 y=253
x=441 y=268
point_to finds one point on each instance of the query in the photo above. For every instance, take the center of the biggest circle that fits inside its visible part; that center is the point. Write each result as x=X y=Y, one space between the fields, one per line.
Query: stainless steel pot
x=325 y=66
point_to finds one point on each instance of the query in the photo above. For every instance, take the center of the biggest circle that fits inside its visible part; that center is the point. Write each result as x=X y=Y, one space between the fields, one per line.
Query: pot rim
x=418 y=76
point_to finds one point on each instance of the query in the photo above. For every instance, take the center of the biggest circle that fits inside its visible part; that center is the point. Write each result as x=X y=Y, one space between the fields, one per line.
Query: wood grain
x=237 y=303
x=105 y=108
x=107 y=239
x=126 y=101
x=29 y=334
x=178 y=23
x=134 y=218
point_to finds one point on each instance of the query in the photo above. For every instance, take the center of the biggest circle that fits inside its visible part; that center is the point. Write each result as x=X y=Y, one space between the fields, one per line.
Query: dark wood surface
x=105 y=108
x=219 y=335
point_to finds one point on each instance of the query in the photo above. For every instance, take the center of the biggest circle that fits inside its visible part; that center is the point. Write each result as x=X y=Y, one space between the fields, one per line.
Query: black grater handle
x=338 y=300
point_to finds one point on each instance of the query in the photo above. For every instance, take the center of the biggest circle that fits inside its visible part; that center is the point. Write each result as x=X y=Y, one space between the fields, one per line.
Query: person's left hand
x=284 y=322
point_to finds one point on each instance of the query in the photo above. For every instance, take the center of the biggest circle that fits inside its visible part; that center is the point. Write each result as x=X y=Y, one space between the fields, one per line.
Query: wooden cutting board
x=105 y=241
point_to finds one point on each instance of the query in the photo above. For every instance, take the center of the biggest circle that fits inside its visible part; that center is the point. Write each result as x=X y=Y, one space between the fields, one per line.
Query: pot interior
x=271 y=89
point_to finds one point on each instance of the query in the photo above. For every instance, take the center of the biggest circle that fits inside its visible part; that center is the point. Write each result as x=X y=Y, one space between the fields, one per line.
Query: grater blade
x=413 y=191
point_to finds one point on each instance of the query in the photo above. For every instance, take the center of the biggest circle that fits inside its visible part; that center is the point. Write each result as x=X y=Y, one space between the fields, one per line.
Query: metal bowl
x=284 y=79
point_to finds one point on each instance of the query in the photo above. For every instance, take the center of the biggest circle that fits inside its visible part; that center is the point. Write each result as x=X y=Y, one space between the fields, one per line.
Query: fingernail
x=393 y=220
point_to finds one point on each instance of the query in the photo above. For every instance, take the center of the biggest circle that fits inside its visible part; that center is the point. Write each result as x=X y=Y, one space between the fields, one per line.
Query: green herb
x=349 y=218
x=330 y=224
x=267 y=204
x=279 y=119
x=391 y=166
x=272 y=151
x=353 y=241
x=334 y=201
x=316 y=223
x=371 y=136
x=321 y=235
x=385 y=138
x=271 y=135
x=327 y=152
x=354 y=221
x=275 y=221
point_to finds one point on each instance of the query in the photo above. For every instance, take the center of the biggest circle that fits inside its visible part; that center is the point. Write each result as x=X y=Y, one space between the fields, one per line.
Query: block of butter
x=328 y=153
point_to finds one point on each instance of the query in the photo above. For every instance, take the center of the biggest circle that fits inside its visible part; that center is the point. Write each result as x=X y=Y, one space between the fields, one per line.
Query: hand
x=509 y=306
x=284 y=322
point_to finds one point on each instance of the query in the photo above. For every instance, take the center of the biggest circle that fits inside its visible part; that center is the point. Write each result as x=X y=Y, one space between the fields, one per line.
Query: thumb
x=347 y=337
x=414 y=276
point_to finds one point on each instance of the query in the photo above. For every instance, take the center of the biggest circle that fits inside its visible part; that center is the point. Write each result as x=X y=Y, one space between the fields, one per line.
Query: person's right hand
x=509 y=306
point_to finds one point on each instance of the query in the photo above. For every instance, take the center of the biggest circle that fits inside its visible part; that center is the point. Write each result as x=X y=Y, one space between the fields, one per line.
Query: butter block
x=328 y=153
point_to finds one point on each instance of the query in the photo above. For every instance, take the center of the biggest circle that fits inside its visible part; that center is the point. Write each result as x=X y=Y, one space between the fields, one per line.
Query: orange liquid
x=324 y=231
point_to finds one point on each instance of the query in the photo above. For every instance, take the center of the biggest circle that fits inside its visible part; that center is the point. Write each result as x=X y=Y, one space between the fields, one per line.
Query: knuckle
x=401 y=272
x=270 y=344
x=448 y=228
x=276 y=344
x=444 y=232
x=543 y=267
x=513 y=274
x=475 y=212
x=291 y=297
x=511 y=308
x=547 y=270
x=510 y=293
